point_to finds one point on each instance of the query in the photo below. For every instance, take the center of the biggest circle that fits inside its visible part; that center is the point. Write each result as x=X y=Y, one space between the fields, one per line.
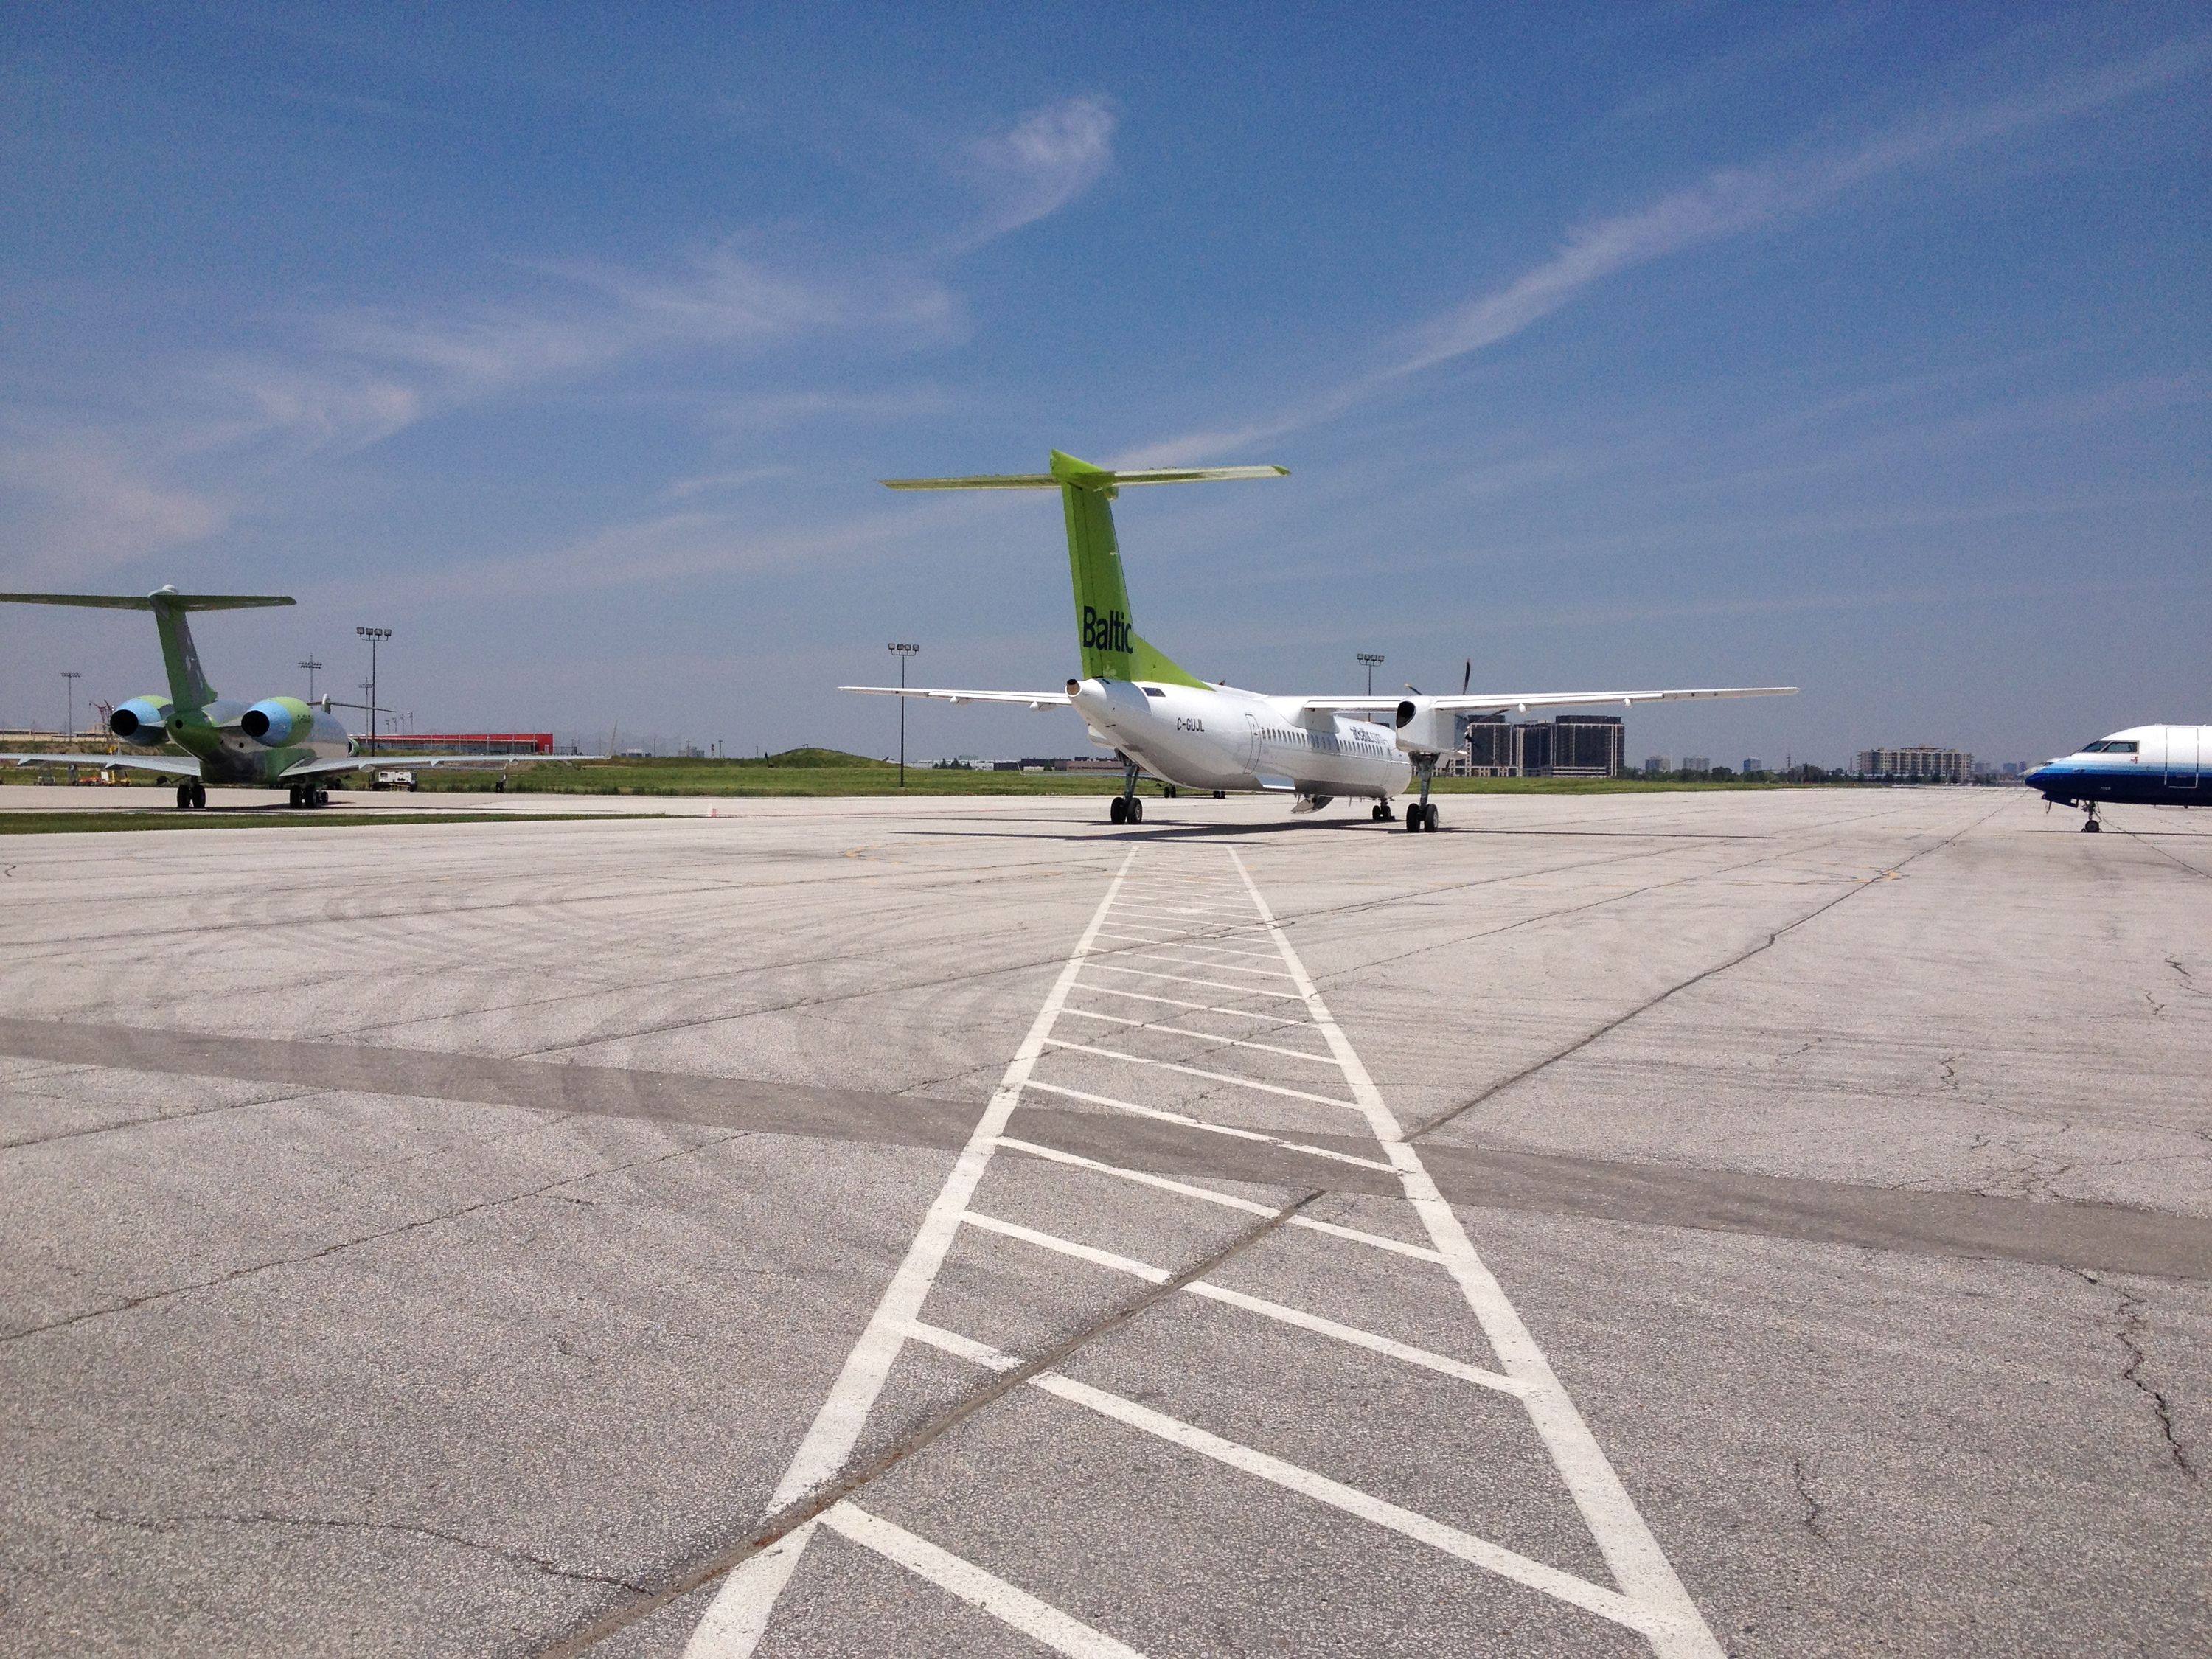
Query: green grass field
x=829 y=772
x=67 y=823
x=798 y=772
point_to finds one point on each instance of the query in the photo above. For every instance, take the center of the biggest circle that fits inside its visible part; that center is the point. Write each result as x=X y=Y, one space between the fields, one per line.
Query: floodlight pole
x=372 y=635
x=310 y=665
x=1373 y=661
x=69 y=677
x=902 y=652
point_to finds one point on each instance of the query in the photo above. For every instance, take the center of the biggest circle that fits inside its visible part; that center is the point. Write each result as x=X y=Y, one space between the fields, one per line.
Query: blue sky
x=1862 y=347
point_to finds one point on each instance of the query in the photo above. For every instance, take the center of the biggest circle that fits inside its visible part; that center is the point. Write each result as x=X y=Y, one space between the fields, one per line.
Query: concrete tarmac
x=944 y=1226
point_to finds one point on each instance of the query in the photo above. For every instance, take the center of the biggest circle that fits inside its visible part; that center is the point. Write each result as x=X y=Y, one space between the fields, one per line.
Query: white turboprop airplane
x=1168 y=723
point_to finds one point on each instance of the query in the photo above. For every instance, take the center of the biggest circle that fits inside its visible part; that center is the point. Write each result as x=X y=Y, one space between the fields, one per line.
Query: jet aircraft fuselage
x=2142 y=765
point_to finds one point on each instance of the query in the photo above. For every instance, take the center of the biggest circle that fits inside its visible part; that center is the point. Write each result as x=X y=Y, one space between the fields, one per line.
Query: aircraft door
x=1248 y=756
x=2183 y=756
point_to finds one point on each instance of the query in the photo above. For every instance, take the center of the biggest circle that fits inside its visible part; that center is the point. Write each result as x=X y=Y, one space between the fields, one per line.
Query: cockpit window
x=2109 y=746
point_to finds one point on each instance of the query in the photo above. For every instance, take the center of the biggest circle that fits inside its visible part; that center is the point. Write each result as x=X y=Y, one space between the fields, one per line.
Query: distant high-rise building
x=1655 y=764
x=1919 y=763
x=1752 y=765
x=1572 y=747
x=1586 y=746
x=1696 y=762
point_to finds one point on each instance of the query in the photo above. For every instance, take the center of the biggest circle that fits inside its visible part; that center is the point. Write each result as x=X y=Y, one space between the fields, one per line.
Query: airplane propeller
x=1465 y=679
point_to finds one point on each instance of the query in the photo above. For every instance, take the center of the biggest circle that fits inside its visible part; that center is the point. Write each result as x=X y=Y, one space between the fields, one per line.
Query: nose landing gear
x=1421 y=815
x=1126 y=807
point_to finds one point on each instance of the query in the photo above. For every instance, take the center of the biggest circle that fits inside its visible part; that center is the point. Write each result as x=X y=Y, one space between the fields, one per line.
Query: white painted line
x=1185 y=979
x=1615 y=1525
x=1229 y=1201
x=1200 y=1071
x=1438 y=1535
x=995 y=1595
x=1272 y=1018
x=1280 y=1311
x=1221 y=967
x=1189 y=1123
x=1209 y=1036
x=740 y=1609
x=1066 y=1247
x=1185 y=941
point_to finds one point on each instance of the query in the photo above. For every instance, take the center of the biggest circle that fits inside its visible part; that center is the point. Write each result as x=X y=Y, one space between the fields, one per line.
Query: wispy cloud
x=1044 y=161
x=1727 y=202
x=80 y=502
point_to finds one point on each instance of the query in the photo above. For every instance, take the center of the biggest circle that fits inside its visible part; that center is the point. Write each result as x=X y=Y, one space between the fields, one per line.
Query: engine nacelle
x=143 y=719
x=277 y=721
x=1424 y=728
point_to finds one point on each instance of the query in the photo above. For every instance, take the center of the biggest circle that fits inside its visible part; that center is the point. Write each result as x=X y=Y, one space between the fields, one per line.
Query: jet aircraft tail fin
x=188 y=686
x=1106 y=628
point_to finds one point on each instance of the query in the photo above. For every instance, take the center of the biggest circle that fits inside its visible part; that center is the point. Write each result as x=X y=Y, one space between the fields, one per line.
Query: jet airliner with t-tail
x=277 y=740
x=1166 y=722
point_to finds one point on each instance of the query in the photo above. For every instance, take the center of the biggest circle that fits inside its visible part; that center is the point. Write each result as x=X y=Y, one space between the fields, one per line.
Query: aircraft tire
x=183 y=797
x=2093 y=828
x=199 y=795
x=1136 y=809
x=1118 y=812
x=322 y=798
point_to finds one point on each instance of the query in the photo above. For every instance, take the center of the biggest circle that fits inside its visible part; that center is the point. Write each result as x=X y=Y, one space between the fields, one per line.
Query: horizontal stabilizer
x=1067 y=470
x=167 y=597
x=1027 y=699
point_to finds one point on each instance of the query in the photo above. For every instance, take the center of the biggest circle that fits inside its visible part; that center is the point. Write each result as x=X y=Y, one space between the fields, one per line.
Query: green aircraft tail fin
x=1106 y=627
x=188 y=686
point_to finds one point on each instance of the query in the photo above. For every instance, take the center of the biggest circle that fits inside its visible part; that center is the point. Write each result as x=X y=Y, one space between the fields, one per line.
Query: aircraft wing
x=1024 y=699
x=173 y=766
x=1522 y=702
x=320 y=768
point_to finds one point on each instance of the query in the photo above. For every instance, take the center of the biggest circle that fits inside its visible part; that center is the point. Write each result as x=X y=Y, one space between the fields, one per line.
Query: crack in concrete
x=1814 y=1519
x=2129 y=1334
x=269 y=1517
x=129 y=1303
x=1645 y=1007
x=681 y=1581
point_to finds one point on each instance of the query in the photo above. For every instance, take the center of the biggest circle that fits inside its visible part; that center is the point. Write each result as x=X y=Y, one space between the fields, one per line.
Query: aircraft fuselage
x=2143 y=766
x=1219 y=737
x=213 y=735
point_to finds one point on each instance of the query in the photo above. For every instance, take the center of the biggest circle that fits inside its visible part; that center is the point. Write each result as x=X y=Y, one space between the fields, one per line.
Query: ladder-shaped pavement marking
x=1192 y=905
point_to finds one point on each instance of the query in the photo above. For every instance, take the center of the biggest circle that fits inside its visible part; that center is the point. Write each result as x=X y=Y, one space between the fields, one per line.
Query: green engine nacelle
x=277 y=722
x=143 y=719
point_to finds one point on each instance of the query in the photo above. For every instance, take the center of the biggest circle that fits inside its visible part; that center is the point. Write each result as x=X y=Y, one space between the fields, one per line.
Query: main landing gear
x=307 y=795
x=1126 y=807
x=189 y=795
